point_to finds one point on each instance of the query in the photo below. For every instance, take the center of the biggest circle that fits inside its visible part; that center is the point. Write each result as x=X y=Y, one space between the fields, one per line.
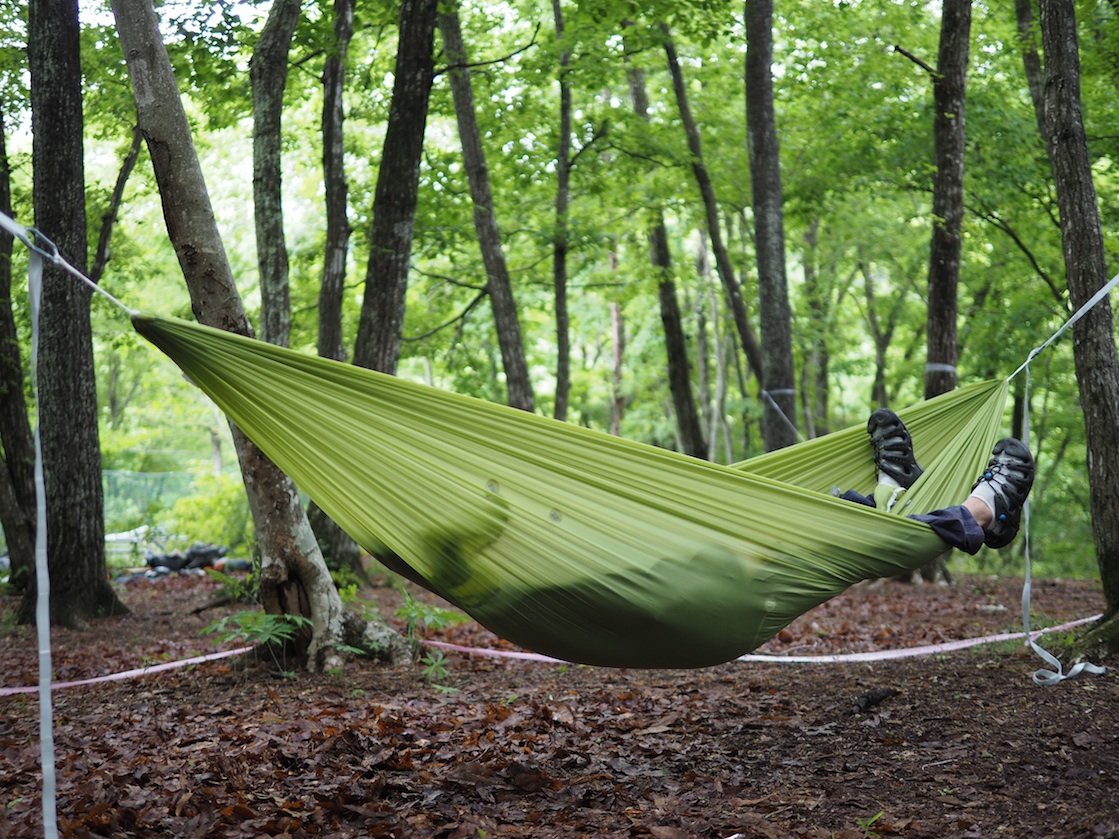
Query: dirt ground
x=959 y=744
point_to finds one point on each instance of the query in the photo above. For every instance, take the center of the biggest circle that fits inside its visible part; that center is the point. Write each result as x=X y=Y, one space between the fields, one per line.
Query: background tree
x=339 y=550
x=294 y=578
x=1097 y=365
x=17 y=445
x=499 y=287
x=380 y=329
x=949 y=136
x=268 y=73
x=67 y=409
x=779 y=402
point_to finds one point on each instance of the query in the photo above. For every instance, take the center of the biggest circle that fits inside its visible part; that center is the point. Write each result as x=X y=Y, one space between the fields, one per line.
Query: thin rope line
x=1081 y=312
x=39 y=244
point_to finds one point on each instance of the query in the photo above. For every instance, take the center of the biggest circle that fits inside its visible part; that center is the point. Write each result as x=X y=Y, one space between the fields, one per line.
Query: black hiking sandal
x=1011 y=475
x=893 y=447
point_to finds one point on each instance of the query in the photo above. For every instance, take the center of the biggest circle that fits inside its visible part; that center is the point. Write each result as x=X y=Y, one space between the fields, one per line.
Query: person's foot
x=893 y=448
x=1004 y=486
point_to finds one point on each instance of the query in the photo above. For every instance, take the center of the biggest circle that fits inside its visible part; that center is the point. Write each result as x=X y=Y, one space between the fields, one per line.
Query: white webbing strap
x=1057 y=674
x=37 y=252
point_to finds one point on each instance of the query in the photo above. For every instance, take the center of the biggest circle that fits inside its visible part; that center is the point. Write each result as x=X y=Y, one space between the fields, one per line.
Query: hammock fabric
x=570 y=542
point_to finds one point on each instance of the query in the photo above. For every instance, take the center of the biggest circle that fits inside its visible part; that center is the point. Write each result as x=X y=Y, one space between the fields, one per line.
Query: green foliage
x=425 y=617
x=217 y=513
x=260 y=629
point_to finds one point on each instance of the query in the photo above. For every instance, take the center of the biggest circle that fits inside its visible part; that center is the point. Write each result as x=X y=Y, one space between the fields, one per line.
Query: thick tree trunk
x=779 y=409
x=17 y=444
x=293 y=575
x=380 y=329
x=675 y=341
x=339 y=550
x=560 y=245
x=949 y=97
x=67 y=411
x=268 y=73
x=711 y=208
x=1094 y=352
x=498 y=285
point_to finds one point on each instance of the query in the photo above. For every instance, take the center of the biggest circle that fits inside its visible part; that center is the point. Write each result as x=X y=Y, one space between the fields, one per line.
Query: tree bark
x=17 y=443
x=67 y=410
x=293 y=575
x=1094 y=352
x=498 y=285
x=711 y=209
x=330 y=342
x=380 y=329
x=675 y=341
x=339 y=550
x=778 y=381
x=560 y=245
x=814 y=391
x=1031 y=60
x=949 y=98
x=268 y=73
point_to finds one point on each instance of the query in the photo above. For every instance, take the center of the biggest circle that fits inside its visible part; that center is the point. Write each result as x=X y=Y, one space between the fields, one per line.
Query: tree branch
x=101 y=257
x=470 y=65
x=930 y=70
x=458 y=318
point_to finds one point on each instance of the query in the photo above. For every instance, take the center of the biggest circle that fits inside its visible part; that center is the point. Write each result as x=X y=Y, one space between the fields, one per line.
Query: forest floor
x=961 y=744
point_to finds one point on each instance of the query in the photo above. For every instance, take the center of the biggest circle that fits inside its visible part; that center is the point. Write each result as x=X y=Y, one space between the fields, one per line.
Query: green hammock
x=570 y=542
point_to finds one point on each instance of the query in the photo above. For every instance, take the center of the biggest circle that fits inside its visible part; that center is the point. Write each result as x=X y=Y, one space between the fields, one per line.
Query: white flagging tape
x=41 y=248
x=131 y=674
x=843 y=658
x=42 y=577
x=1056 y=675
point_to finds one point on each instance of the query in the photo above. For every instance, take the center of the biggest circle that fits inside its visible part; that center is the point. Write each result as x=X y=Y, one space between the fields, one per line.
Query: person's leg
x=957 y=526
x=991 y=514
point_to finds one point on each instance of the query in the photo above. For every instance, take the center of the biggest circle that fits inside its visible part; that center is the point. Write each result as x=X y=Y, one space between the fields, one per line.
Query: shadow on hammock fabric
x=570 y=542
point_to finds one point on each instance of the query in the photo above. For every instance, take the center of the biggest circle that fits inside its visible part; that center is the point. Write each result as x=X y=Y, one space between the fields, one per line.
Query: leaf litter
x=959 y=745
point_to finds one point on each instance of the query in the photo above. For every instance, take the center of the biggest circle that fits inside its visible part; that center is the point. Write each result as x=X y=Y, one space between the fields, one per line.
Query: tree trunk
x=339 y=551
x=949 y=96
x=293 y=574
x=711 y=208
x=1031 y=60
x=498 y=286
x=17 y=444
x=380 y=329
x=559 y=253
x=814 y=392
x=618 y=401
x=331 y=343
x=675 y=341
x=780 y=408
x=268 y=73
x=1094 y=353
x=67 y=410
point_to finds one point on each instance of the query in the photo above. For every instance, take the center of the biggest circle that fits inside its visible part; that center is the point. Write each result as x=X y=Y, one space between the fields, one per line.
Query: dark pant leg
x=956 y=526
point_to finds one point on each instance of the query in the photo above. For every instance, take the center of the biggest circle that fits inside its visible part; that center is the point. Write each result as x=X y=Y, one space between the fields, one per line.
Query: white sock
x=886 y=480
x=985 y=493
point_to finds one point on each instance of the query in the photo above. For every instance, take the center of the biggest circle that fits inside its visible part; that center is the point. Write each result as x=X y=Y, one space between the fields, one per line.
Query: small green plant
x=237 y=589
x=259 y=629
x=865 y=825
x=419 y=616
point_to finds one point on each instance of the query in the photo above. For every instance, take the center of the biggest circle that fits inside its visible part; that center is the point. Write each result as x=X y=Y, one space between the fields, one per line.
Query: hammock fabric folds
x=570 y=542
